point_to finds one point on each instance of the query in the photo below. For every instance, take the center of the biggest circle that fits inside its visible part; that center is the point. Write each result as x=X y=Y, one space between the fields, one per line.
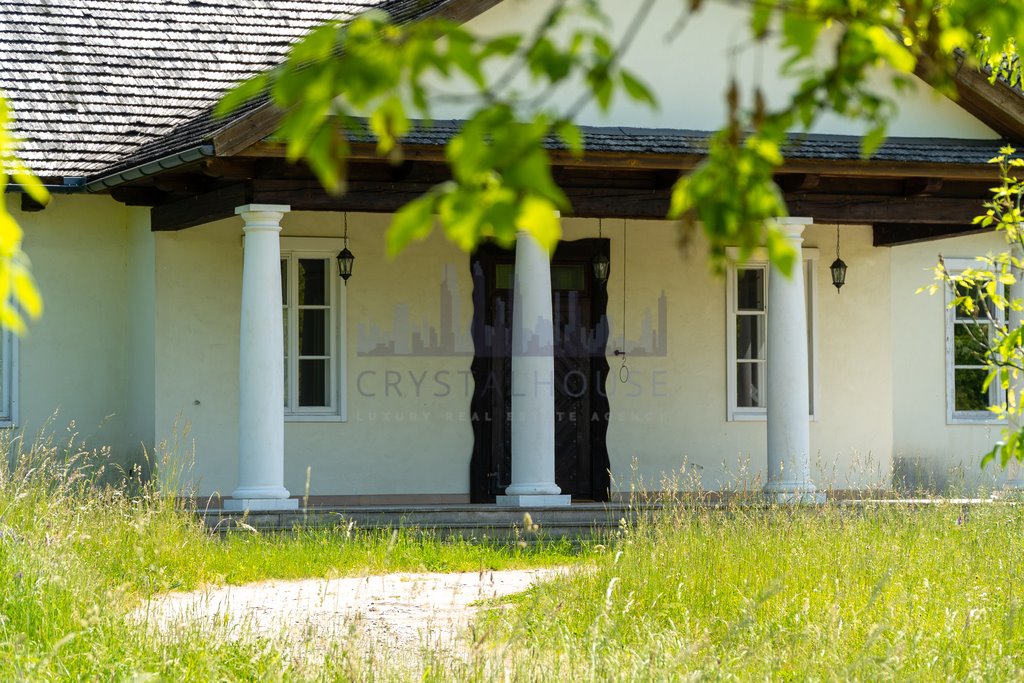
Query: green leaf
x=572 y=136
x=872 y=140
x=241 y=93
x=636 y=89
x=414 y=221
x=539 y=217
x=800 y=31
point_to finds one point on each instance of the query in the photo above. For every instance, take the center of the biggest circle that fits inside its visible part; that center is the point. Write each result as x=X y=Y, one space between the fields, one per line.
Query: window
x=8 y=378
x=747 y=336
x=968 y=335
x=313 y=311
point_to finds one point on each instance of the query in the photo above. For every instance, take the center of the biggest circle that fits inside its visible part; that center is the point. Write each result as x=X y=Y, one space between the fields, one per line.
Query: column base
x=260 y=504
x=533 y=501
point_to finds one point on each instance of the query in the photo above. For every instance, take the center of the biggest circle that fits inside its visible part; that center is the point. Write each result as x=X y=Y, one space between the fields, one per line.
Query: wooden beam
x=893 y=234
x=997 y=105
x=922 y=186
x=798 y=182
x=138 y=195
x=462 y=11
x=247 y=130
x=29 y=205
x=876 y=209
x=199 y=209
x=229 y=169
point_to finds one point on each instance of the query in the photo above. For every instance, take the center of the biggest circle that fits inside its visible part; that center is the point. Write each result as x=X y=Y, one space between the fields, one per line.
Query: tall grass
x=77 y=555
x=752 y=593
x=740 y=591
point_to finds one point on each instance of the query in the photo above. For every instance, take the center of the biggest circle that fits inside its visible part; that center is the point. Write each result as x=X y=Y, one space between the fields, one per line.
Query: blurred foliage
x=19 y=297
x=370 y=77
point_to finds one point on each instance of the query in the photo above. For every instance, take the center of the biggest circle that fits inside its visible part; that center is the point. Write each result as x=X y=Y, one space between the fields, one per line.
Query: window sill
x=979 y=421
x=313 y=417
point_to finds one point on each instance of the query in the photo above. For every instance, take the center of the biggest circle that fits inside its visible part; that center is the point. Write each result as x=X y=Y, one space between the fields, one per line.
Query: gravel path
x=393 y=612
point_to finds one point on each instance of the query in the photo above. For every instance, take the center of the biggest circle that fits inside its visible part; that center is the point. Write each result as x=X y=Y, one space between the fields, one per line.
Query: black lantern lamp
x=345 y=257
x=838 y=267
x=601 y=263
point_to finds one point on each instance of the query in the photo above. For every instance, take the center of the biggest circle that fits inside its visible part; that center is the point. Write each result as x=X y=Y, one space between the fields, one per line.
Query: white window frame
x=293 y=249
x=759 y=259
x=9 y=378
x=955 y=266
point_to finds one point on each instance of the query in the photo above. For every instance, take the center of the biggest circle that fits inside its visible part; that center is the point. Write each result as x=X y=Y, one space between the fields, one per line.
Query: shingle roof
x=91 y=82
x=669 y=141
x=98 y=86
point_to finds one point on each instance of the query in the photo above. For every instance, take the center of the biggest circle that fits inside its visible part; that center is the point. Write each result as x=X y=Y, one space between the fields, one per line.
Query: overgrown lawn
x=744 y=592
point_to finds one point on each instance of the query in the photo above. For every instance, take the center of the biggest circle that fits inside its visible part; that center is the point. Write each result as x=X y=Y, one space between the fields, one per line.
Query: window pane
x=750 y=289
x=969 y=343
x=969 y=392
x=313 y=339
x=983 y=309
x=314 y=382
x=568 y=277
x=284 y=282
x=313 y=282
x=750 y=385
x=750 y=337
x=504 y=275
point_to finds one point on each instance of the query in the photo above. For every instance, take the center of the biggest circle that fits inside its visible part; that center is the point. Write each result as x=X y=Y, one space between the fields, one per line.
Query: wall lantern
x=345 y=257
x=601 y=263
x=838 y=268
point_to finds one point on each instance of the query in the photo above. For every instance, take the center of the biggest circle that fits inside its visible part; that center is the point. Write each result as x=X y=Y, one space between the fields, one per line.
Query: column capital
x=262 y=216
x=793 y=227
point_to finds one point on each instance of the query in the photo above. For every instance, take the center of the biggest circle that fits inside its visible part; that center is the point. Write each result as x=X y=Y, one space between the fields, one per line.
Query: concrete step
x=575 y=521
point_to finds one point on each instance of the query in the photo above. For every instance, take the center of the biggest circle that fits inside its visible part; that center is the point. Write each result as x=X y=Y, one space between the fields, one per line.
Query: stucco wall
x=939 y=451
x=673 y=409
x=73 y=359
x=409 y=432
x=689 y=71
x=399 y=437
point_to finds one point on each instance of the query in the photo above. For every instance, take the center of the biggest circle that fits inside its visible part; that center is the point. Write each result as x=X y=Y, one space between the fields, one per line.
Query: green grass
x=751 y=594
x=77 y=556
x=741 y=593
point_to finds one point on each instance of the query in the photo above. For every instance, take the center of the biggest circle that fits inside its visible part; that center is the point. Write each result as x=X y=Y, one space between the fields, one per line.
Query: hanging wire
x=346 y=228
x=837 y=242
x=600 y=224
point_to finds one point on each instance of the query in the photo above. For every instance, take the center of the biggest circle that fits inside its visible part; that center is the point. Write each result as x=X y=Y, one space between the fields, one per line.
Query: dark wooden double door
x=580 y=327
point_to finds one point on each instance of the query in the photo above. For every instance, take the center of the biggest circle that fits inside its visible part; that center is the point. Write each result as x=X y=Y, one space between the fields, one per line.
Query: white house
x=400 y=384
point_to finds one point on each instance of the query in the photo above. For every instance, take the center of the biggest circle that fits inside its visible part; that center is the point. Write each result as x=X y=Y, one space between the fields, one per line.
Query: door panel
x=579 y=306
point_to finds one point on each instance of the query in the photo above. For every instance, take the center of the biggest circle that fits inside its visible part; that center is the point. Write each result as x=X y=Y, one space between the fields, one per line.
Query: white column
x=1015 y=470
x=261 y=366
x=533 y=375
x=789 y=465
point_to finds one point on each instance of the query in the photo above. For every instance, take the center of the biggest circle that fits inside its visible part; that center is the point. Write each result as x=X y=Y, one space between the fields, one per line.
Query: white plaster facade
x=133 y=370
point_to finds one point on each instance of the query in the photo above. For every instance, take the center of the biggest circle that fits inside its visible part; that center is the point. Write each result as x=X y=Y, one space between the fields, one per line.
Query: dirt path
x=393 y=612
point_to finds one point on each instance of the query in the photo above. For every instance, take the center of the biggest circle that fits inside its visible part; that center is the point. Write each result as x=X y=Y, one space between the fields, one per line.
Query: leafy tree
x=990 y=296
x=19 y=297
x=370 y=76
